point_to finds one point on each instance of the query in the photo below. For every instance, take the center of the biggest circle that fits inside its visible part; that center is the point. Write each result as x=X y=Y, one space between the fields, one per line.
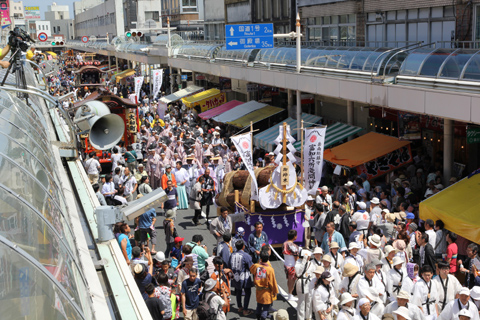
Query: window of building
x=154 y=15
x=189 y=5
x=58 y=29
x=413 y=25
x=336 y=28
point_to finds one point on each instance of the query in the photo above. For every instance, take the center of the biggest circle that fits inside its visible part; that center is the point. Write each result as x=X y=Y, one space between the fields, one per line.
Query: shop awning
x=335 y=133
x=265 y=139
x=219 y=110
x=125 y=73
x=363 y=149
x=457 y=206
x=180 y=94
x=239 y=111
x=191 y=100
x=255 y=116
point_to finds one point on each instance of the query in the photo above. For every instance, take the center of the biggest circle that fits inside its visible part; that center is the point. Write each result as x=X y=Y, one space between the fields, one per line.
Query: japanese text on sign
x=386 y=163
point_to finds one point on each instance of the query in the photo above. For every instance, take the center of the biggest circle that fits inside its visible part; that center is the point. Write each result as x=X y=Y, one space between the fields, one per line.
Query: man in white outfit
x=448 y=285
x=425 y=294
x=402 y=301
x=304 y=268
x=454 y=307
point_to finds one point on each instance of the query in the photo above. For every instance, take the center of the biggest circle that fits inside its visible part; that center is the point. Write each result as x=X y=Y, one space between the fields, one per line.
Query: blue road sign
x=249 y=36
x=184 y=77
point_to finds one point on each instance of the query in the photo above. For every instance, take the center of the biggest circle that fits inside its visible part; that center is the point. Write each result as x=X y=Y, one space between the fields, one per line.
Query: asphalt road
x=186 y=229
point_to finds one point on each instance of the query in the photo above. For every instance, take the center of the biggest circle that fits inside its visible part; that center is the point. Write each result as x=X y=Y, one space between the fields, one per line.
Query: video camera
x=18 y=39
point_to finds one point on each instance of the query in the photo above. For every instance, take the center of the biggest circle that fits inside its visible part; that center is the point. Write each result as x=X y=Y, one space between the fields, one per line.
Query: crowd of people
x=366 y=255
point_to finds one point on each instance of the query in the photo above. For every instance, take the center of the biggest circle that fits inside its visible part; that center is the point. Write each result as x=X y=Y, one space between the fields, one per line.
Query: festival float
x=272 y=194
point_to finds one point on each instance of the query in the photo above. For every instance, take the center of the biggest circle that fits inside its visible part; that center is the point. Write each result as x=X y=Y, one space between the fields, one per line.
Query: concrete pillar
x=350 y=114
x=290 y=108
x=249 y=94
x=193 y=78
x=179 y=76
x=171 y=80
x=447 y=150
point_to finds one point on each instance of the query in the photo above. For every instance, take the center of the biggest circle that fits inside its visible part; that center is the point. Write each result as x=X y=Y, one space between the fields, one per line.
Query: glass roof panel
x=375 y=59
x=434 y=61
x=414 y=60
x=346 y=58
x=455 y=63
x=472 y=69
x=27 y=292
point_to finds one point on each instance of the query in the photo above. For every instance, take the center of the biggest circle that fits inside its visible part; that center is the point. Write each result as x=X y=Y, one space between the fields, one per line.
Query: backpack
x=204 y=311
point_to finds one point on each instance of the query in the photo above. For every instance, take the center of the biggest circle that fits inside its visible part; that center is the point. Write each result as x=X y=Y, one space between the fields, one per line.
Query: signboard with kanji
x=32 y=13
x=212 y=102
x=473 y=135
x=386 y=163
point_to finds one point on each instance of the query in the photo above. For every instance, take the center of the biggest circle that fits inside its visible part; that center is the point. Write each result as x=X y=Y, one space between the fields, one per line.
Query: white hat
x=464 y=291
x=386 y=211
x=439 y=186
x=403 y=295
x=402 y=311
x=375 y=200
x=324 y=188
x=363 y=301
x=318 y=250
x=310 y=198
x=397 y=261
x=327 y=258
x=465 y=312
x=217 y=128
x=353 y=245
x=334 y=245
x=160 y=256
x=319 y=270
x=345 y=298
x=348 y=184
x=361 y=205
x=210 y=284
x=475 y=293
x=372 y=293
x=281 y=314
x=388 y=249
x=375 y=240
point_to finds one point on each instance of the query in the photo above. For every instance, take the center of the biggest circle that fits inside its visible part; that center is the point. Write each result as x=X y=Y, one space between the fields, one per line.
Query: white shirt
x=370 y=316
x=420 y=296
x=453 y=287
x=346 y=314
x=108 y=187
x=181 y=175
x=401 y=279
x=357 y=260
x=432 y=237
x=129 y=184
x=92 y=165
x=414 y=312
x=321 y=298
x=364 y=284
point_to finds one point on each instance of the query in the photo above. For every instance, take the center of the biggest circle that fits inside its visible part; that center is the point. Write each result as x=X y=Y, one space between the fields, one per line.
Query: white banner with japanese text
x=243 y=143
x=138 y=87
x=157 y=81
x=313 y=158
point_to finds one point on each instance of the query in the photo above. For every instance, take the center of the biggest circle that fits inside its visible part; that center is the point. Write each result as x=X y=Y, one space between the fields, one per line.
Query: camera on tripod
x=18 y=39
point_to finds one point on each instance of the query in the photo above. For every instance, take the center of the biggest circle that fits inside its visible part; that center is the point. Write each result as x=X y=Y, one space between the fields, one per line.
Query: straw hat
x=319 y=270
x=388 y=249
x=375 y=200
x=403 y=295
x=281 y=314
x=210 y=284
x=372 y=293
x=353 y=245
x=327 y=258
x=375 y=240
x=349 y=270
x=399 y=245
x=318 y=250
x=397 y=260
x=334 y=245
x=475 y=293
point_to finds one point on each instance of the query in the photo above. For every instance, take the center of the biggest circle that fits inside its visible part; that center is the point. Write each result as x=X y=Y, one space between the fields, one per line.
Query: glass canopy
x=456 y=64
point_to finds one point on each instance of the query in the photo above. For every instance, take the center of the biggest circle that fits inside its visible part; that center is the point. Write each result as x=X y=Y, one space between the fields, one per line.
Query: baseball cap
x=178 y=239
x=410 y=215
x=361 y=205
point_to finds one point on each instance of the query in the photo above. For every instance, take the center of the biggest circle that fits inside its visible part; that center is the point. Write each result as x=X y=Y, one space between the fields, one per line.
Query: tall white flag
x=243 y=143
x=138 y=87
x=313 y=158
x=157 y=81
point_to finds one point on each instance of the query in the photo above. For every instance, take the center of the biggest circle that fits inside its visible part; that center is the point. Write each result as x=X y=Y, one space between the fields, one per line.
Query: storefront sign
x=32 y=13
x=200 y=77
x=386 y=163
x=409 y=126
x=5 y=14
x=473 y=135
x=212 y=102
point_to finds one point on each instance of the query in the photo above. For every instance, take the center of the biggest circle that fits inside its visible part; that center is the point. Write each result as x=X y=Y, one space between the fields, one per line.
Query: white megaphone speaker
x=106 y=129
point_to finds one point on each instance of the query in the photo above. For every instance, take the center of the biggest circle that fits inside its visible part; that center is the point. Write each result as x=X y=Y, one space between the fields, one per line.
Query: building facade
x=214 y=20
x=60 y=22
x=99 y=20
x=185 y=15
x=17 y=15
x=43 y=26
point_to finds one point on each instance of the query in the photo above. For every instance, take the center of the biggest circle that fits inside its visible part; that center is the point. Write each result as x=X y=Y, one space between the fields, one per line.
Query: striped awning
x=255 y=116
x=265 y=138
x=239 y=111
x=335 y=133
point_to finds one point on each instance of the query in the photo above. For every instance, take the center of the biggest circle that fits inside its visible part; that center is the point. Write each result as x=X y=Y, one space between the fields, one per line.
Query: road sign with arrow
x=249 y=36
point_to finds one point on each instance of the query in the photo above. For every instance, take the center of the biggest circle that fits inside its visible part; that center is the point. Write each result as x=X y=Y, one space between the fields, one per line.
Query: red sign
x=84 y=39
x=386 y=163
x=42 y=37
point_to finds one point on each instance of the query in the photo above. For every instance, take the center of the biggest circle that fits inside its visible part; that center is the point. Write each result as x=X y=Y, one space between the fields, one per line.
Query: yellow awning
x=191 y=100
x=457 y=206
x=255 y=116
x=125 y=73
x=53 y=54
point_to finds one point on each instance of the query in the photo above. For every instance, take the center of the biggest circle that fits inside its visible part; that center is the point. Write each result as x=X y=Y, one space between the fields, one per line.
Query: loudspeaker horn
x=106 y=129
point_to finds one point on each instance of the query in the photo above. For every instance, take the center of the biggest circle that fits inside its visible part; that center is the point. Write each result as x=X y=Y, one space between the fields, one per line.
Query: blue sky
x=43 y=5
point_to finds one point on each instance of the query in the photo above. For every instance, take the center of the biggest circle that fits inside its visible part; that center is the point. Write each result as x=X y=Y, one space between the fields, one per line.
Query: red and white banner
x=243 y=143
x=313 y=158
x=157 y=81
x=138 y=87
